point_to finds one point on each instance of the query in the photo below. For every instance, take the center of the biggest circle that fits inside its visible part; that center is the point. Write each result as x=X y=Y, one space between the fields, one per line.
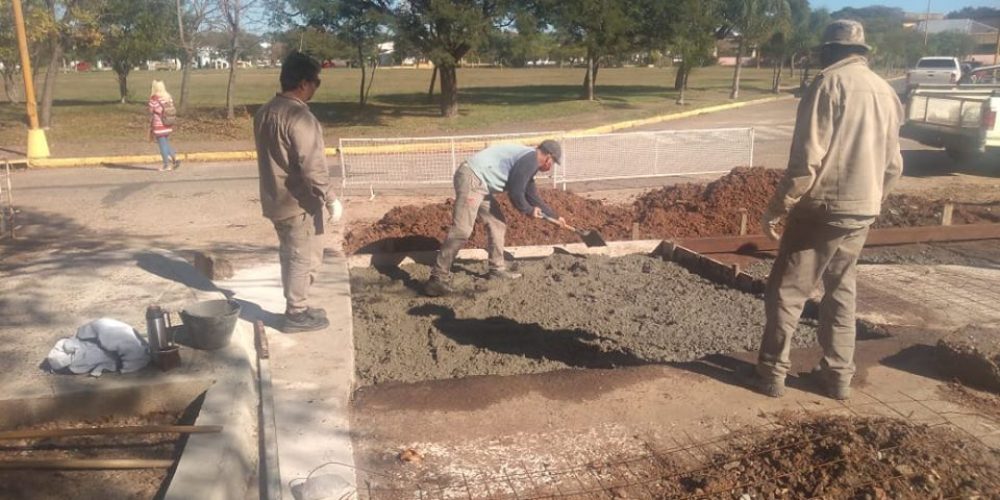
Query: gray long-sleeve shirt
x=294 y=178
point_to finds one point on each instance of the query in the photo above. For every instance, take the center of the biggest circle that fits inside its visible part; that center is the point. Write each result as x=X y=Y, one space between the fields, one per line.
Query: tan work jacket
x=290 y=158
x=845 y=150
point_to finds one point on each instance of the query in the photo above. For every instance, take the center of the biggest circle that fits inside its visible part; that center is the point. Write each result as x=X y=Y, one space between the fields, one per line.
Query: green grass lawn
x=88 y=119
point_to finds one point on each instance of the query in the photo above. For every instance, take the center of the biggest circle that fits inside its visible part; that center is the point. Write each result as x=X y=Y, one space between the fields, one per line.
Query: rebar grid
x=691 y=461
x=974 y=293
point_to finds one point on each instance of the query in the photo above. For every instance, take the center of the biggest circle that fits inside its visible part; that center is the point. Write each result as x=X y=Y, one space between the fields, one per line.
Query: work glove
x=769 y=223
x=336 y=209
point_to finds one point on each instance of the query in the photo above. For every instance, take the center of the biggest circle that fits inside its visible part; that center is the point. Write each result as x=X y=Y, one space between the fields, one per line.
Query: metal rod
x=85 y=464
x=97 y=431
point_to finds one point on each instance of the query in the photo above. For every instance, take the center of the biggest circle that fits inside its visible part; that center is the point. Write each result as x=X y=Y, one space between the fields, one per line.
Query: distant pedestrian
x=844 y=160
x=295 y=187
x=509 y=168
x=161 y=123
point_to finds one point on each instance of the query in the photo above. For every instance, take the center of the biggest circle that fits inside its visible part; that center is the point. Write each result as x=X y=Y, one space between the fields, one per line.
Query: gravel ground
x=566 y=312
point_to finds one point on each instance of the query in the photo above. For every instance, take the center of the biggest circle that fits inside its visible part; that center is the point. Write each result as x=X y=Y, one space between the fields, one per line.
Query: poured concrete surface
x=311 y=375
x=566 y=311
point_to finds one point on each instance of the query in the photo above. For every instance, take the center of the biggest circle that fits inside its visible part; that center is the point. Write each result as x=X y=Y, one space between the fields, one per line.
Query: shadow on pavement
x=576 y=348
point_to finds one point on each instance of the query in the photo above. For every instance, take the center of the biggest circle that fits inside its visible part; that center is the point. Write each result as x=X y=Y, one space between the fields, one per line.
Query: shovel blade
x=592 y=238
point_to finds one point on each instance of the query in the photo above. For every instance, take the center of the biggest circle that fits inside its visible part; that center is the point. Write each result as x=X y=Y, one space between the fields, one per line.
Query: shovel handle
x=560 y=224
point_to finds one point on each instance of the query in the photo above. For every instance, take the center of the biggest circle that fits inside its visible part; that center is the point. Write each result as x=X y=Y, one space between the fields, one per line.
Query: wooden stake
x=635 y=231
x=94 y=431
x=949 y=208
x=85 y=464
x=743 y=221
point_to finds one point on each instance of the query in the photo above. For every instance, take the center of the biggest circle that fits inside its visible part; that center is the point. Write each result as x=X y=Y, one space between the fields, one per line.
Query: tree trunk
x=49 y=87
x=588 y=79
x=679 y=77
x=735 y=93
x=231 y=87
x=777 y=76
x=449 y=90
x=364 y=74
x=185 y=79
x=122 y=83
x=683 y=72
x=430 y=88
x=371 y=79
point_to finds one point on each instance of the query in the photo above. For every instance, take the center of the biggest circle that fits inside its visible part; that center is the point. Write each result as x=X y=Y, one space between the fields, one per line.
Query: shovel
x=590 y=238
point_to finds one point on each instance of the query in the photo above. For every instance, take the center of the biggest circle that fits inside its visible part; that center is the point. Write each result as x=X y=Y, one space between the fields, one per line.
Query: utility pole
x=927 y=21
x=38 y=147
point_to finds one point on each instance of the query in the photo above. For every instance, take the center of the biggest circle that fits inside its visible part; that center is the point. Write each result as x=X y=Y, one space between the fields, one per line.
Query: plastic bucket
x=210 y=323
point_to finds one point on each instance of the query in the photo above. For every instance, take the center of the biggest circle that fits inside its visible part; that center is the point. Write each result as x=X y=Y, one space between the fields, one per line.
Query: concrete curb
x=91 y=161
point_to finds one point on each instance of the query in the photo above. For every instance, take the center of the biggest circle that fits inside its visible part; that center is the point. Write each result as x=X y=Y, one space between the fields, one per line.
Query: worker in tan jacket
x=844 y=160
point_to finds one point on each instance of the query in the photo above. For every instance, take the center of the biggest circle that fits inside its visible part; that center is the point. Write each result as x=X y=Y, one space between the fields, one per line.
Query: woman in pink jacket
x=162 y=116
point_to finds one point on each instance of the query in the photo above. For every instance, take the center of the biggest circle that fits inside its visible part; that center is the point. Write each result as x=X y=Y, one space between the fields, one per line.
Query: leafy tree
x=360 y=24
x=951 y=43
x=233 y=14
x=694 y=38
x=314 y=41
x=193 y=18
x=445 y=31
x=132 y=33
x=973 y=13
x=753 y=22
x=72 y=24
x=37 y=22
x=600 y=27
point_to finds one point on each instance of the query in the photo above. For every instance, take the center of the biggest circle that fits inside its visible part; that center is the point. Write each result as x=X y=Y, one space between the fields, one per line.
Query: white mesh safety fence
x=654 y=154
x=418 y=160
x=433 y=160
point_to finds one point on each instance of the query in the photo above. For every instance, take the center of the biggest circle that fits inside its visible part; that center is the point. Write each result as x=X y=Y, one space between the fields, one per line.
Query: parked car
x=934 y=71
x=982 y=75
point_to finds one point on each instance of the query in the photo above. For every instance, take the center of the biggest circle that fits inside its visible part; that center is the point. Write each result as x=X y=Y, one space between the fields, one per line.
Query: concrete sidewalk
x=312 y=377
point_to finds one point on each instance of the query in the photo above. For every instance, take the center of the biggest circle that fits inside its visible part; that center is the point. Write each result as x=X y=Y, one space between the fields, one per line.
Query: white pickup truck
x=934 y=71
x=962 y=119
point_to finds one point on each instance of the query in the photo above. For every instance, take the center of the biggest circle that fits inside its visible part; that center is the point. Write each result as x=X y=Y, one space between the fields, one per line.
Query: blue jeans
x=166 y=151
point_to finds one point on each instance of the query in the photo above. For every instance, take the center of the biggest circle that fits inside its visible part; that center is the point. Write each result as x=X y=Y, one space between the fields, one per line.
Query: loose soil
x=678 y=211
x=972 y=355
x=565 y=312
x=91 y=484
x=807 y=457
x=843 y=457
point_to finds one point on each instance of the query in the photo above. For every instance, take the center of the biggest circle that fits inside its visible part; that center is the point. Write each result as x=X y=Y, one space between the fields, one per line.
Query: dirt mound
x=691 y=210
x=424 y=227
x=843 y=457
x=972 y=355
x=678 y=211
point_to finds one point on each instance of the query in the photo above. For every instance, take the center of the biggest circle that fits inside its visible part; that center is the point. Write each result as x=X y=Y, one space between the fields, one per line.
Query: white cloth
x=98 y=346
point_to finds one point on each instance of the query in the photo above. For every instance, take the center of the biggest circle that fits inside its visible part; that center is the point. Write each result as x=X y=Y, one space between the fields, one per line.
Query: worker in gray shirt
x=295 y=187
x=509 y=168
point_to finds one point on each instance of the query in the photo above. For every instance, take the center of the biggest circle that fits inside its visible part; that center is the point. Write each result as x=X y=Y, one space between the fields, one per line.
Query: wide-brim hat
x=845 y=32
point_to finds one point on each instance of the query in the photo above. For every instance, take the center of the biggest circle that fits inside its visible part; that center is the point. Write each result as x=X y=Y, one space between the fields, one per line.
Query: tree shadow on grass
x=576 y=348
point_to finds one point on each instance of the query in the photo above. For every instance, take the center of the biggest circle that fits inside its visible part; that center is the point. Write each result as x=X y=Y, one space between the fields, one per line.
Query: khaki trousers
x=811 y=249
x=300 y=249
x=472 y=200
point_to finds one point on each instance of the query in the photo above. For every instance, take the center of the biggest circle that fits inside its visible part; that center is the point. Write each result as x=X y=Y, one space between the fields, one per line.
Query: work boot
x=503 y=274
x=316 y=312
x=303 y=321
x=828 y=385
x=765 y=385
x=436 y=287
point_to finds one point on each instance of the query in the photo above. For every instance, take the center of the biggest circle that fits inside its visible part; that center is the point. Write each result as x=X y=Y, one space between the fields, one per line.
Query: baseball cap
x=552 y=148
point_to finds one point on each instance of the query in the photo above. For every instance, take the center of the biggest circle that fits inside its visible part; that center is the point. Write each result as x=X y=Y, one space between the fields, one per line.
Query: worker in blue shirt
x=508 y=168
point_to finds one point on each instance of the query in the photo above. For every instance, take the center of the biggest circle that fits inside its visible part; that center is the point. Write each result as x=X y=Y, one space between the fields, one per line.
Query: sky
x=938 y=6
